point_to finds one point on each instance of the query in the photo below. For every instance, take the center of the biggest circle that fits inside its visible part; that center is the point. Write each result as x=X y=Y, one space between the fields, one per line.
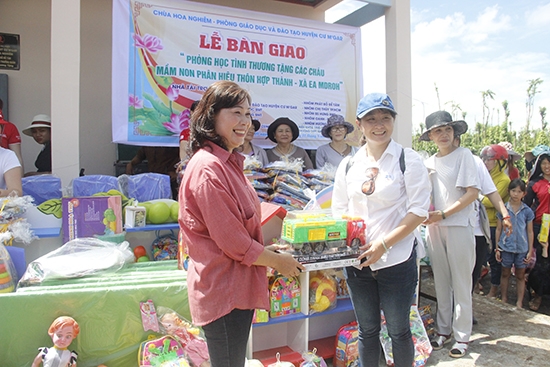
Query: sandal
x=439 y=341
x=458 y=350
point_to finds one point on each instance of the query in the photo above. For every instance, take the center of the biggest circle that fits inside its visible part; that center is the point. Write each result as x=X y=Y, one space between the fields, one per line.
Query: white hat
x=38 y=121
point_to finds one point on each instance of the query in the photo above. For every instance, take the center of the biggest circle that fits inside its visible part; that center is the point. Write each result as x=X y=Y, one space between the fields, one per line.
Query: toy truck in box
x=320 y=239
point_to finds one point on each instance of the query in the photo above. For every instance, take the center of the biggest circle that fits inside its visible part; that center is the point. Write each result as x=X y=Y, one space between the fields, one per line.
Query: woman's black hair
x=538 y=169
x=222 y=94
x=517 y=182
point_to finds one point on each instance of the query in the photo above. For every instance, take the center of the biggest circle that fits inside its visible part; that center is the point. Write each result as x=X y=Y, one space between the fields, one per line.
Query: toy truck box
x=321 y=242
x=91 y=215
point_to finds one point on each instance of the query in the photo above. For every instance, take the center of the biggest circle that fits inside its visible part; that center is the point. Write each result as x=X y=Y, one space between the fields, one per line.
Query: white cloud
x=539 y=17
x=465 y=57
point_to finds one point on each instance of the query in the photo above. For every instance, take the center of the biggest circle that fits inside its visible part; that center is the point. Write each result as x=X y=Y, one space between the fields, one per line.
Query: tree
x=437 y=94
x=542 y=111
x=507 y=114
x=531 y=92
x=455 y=107
x=484 y=95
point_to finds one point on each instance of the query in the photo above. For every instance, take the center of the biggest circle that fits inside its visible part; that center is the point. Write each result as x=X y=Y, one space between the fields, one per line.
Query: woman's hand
x=507 y=226
x=527 y=257
x=497 y=255
x=433 y=217
x=288 y=265
x=372 y=252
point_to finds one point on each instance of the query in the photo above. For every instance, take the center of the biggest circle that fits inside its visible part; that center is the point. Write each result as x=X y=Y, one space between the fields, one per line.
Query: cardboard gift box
x=91 y=215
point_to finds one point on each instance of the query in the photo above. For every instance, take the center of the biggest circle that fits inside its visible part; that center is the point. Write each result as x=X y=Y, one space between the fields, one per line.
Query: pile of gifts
x=284 y=182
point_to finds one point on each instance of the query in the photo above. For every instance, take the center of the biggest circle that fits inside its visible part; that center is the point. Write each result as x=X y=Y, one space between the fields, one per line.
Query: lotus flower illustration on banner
x=162 y=112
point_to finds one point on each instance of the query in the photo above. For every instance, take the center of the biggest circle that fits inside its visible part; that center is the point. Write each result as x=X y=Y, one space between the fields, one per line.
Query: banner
x=166 y=53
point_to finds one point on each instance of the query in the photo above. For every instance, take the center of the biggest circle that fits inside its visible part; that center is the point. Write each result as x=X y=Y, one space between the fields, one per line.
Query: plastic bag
x=322 y=292
x=8 y=275
x=42 y=187
x=191 y=337
x=422 y=346
x=146 y=186
x=289 y=165
x=78 y=258
x=280 y=363
x=89 y=185
x=13 y=207
x=311 y=359
x=165 y=247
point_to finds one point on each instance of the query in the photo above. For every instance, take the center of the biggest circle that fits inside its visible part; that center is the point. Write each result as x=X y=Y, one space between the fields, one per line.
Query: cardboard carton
x=91 y=215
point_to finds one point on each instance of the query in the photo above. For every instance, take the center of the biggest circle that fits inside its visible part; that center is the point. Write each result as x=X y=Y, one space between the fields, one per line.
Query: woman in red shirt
x=220 y=221
x=538 y=194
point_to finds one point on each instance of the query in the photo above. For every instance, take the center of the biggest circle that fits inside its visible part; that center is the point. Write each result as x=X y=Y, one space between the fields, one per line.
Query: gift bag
x=422 y=346
x=165 y=247
x=165 y=351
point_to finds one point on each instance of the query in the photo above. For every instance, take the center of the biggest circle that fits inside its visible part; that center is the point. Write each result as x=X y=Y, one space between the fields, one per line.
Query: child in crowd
x=517 y=248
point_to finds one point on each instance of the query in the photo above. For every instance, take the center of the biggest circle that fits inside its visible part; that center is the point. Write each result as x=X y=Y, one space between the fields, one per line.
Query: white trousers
x=452 y=255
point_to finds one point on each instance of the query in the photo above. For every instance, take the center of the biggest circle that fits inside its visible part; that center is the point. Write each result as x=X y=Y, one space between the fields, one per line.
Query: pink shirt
x=220 y=221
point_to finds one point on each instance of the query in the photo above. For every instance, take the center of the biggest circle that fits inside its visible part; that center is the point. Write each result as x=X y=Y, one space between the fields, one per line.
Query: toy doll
x=194 y=346
x=62 y=331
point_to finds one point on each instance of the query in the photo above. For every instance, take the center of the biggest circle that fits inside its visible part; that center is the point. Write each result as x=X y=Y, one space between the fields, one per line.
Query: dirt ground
x=503 y=336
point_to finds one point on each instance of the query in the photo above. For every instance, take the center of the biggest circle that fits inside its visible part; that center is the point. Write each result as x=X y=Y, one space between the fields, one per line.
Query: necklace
x=342 y=153
x=283 y=153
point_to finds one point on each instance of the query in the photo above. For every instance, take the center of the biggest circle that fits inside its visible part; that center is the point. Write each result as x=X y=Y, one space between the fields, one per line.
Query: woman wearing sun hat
x=284 y=131
x=450 y=230
x=336 y=128
x=388 y=187
x=40 y=130
x=251 y=150
x=511 y=170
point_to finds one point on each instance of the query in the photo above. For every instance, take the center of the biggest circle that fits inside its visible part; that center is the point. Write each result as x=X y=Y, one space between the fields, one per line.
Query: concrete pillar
x=398 y=67
x=65 y=92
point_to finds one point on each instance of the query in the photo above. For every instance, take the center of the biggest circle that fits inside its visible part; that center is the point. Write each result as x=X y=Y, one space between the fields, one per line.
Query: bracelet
x=506 y=217
x=384 y=244
x=442 y=214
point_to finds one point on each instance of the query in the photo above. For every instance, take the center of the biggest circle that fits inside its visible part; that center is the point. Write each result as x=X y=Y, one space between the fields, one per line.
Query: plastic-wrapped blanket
x=77 y=258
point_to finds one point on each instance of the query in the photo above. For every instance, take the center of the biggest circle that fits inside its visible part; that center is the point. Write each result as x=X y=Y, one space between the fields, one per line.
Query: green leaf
x=101 y=193
x=52 y=206
x=160 y=107
x=154 y=128
x=135 y=114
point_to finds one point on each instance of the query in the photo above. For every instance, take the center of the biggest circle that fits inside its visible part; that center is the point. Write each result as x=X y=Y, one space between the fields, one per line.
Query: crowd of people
x=381 y=181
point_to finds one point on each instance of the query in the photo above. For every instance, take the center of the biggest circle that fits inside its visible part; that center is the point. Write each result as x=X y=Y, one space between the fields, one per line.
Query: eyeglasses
x=340 y=128
x=368 y=187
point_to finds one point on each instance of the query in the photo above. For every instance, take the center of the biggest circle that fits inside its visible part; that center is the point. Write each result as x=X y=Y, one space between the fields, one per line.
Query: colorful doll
x=62 y=331
x=194 y=346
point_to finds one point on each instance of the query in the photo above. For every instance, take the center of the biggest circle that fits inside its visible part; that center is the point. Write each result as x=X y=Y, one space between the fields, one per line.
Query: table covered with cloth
x=106 y=307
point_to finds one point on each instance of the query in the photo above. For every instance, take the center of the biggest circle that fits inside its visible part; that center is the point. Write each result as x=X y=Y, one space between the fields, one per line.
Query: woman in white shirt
x=10 y=173
x=388 y=187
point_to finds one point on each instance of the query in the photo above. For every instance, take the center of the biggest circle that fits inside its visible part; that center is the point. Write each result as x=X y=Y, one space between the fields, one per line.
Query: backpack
x=165 y=351
x=402 y=164
x=346 y=347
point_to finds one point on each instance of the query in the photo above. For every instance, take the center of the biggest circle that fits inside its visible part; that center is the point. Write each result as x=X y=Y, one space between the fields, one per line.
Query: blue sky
x=467 y=47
